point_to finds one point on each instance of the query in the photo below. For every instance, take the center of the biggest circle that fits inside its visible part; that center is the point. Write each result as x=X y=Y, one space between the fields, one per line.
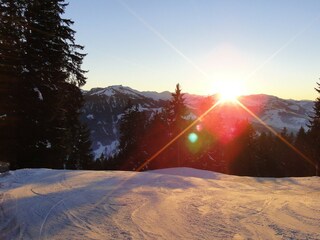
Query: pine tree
x=47 y=77
x=264 y=155
x=211 y=134
x=241 y=151
x=155 y=137
x=314 y=132
x=84 y=148
x=301 y=138
x=284 y=153
x=300 y=166
x=132 y=131
x=79 y=156
x=54 y=71
x=176 y=112
x=11 y=34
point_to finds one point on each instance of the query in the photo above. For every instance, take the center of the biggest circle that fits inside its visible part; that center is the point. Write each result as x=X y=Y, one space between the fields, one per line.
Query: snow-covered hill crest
x=178 y=203
x=119 y=89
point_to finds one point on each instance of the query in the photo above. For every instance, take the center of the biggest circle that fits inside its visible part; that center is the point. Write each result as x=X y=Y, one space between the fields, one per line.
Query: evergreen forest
x=40 y=103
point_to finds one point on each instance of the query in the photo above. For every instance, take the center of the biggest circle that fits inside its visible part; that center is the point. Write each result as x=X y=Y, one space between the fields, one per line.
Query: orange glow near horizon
x=178 y=136
x=229 y=91
x=202 y=116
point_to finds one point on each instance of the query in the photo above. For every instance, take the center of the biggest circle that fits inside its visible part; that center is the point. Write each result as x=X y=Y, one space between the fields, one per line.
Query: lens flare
x=193 y=137
x=195 y=122
x=229 y=91
x=296 y=150
x=199 y=127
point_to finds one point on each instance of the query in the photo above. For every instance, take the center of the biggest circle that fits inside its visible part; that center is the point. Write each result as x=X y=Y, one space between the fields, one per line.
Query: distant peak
x=120 y=89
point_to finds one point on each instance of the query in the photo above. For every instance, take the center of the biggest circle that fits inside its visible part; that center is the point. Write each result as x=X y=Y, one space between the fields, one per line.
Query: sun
x=229 y=91
x=228 y=95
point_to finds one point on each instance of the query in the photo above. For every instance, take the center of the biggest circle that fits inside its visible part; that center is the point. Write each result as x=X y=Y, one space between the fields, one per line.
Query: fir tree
x=177 y=111
x=241 y=151
x=11 y=52
x=314 y=132
x=284 y=153
x=84 y=148
x=211 y=133
x=156 y=136
x=53 y=65
x=132 y=130
x=47 y=76
x=80 y=156
x=176 y=117
x=264 y=155
x=301 y=143
x=301 y=139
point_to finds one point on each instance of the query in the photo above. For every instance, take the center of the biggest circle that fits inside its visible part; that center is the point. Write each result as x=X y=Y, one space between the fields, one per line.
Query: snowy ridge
x=178 y=203
x=110 y=91
x=279 y=113
x=119 y=89
x=165 y=96
x=105 y=106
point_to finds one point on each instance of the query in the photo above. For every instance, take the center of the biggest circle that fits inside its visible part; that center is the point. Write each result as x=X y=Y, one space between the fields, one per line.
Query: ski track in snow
x=164 y=204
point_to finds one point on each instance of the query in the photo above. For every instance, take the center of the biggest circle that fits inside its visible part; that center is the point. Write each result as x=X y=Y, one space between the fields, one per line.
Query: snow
x=164 y=204
x=165 y=96
x=112 y=90
x=293 y=122
x=141 y=109
x=108 y=92
x=119 y=116
x=125 y=90
x=90 y=116
x=99 y=150
x=190 y=116
x=39 y=93
x=107 y=150
x=48 y=144
x=294 y=107
x=272 y=118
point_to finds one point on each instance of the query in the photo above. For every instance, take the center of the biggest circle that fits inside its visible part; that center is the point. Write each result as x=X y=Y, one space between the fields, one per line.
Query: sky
x=269 y=47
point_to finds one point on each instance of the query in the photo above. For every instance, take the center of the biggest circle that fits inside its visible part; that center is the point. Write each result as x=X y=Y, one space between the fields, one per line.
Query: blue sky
x=268 y=47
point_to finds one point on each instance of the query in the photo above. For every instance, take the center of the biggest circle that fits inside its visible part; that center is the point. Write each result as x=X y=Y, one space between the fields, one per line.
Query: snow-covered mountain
x=179 y=203
x=278 y=113
x=104 y=107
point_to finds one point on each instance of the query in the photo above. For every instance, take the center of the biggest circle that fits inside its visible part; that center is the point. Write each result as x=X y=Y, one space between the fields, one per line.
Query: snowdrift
x=176 y=203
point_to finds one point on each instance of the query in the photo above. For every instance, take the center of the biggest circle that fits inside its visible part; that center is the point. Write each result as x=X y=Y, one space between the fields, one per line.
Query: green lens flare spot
x=193 y=137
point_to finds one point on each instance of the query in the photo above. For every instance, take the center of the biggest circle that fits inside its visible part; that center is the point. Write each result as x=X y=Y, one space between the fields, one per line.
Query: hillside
x=176 y=203
x=104 y=107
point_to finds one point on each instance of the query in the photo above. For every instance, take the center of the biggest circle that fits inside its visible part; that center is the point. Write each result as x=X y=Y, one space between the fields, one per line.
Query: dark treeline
x=40 y=98
x=40 y=103
x=214 y=143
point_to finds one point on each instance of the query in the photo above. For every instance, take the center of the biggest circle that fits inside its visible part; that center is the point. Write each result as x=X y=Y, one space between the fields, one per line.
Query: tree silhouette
x=43 y=90
x=314 y=132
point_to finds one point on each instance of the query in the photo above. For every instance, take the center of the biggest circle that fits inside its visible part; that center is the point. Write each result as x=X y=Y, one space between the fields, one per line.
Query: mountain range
x=104 y=107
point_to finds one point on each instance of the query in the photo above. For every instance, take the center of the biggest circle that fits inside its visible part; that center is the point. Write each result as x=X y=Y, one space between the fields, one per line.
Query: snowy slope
x=165 y=204
x=279 y=113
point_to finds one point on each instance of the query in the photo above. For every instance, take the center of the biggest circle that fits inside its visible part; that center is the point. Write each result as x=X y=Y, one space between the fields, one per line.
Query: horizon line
x=197 y=94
